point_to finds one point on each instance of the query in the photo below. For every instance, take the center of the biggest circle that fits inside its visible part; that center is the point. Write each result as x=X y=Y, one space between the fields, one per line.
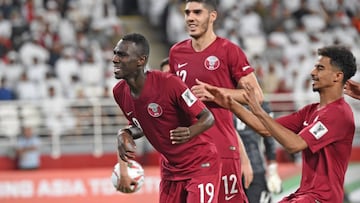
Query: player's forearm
x=249 y=118
x=134 y=131
x=289 y=140
x=205 y=121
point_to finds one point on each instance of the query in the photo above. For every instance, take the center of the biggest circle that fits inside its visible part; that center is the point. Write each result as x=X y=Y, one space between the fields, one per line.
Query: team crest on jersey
x=318 y=130
x=154 y=110
x=212 y=63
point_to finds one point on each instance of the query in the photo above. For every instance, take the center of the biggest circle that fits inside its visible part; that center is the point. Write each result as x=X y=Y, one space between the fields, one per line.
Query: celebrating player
x=215 y=60
x=322 y=131
x=161 y=107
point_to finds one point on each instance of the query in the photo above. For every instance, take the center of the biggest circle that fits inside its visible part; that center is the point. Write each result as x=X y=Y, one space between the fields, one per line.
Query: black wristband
x=134 y=131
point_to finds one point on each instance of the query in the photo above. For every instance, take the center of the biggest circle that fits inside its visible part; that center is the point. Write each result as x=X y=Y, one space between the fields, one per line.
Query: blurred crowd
x=57 y=48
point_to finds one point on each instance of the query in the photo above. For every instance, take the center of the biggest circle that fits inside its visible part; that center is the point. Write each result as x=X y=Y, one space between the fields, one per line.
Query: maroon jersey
x=329 y=133
x=164 y=104
x=221 y=64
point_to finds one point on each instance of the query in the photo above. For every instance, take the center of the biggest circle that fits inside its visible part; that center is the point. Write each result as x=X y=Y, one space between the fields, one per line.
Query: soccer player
x=352 y=89
x=262 y=154
x=215 y=60
x=161 y=107
x=322 y=131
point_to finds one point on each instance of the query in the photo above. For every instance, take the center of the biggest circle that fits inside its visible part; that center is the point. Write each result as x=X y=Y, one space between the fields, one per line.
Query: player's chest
x=202 y=67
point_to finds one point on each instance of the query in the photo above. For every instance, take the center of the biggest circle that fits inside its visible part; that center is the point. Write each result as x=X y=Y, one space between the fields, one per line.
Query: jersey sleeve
x=292 y=121
x=239 y=64
x=326 y=130
x=183 y=96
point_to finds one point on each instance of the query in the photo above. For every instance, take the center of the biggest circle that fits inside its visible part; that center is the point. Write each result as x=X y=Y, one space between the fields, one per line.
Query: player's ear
x=213 y=16
x=142 y=60
x=339 y=76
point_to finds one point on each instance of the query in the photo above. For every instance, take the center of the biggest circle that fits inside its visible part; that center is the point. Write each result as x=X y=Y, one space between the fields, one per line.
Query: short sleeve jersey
x=329 y=133
x=222 y=64
x=164 y=104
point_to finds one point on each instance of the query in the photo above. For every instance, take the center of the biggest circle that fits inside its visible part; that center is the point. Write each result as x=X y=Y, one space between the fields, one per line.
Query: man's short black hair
x=141 y=43
x=210 y=4
x=342 y=58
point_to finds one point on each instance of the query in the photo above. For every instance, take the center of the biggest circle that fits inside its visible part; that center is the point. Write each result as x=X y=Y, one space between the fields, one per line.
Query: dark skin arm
x=352 y=89
x=258 y=119
x=127 y=146
x=184 y=134
x=226 y=101
x=125 y=142
x=291 y=141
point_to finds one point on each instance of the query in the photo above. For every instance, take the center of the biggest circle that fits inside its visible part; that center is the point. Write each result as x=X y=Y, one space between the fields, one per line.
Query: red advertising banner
x=73 y=186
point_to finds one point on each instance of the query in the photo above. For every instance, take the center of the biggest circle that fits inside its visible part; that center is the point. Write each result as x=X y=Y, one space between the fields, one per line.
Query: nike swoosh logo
x=182 y=65
x=305 y=123
x=227 y=198
x=129 y=113
x=245 y=68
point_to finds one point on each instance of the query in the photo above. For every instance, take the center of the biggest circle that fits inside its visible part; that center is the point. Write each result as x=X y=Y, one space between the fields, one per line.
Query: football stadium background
x=56 y=62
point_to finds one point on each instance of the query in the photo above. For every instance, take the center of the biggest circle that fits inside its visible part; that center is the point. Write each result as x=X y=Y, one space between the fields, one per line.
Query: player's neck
x=136 y=84
x=329 y=96
x=203 y=42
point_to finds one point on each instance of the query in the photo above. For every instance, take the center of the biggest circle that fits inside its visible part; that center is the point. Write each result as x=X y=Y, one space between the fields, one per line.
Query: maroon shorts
x=231 y=187
x=201 y=189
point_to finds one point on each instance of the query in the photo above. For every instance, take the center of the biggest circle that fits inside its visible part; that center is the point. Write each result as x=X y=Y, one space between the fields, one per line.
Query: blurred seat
x=31 y=115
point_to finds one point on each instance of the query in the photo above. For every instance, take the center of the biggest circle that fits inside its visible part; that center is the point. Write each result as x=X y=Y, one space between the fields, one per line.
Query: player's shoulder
x=119 y=85
x=181 y=45
x=226 y=43
x=158 y=75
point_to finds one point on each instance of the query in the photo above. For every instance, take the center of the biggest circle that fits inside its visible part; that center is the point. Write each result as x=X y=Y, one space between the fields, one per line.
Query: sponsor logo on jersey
x=227 y=198
x=212 y=63
x=180 y=65
x=318 y=130
x=188 y=97
x=154 y=110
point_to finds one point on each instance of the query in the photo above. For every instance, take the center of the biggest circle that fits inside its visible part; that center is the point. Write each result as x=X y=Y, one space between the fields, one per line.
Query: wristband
x=134 y=131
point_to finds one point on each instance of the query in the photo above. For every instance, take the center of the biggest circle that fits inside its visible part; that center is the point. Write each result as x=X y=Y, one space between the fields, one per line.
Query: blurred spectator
x=66 y=67
x=13 y=69
x=27 y=89
x=28 y=150
x=31 y=49
x=59 y=119
x=164 y=65
x=37 y=71
x=270 y=80
x=5 y=92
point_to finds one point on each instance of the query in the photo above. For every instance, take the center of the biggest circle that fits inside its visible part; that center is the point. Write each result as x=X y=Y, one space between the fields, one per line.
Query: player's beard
x=203 y=28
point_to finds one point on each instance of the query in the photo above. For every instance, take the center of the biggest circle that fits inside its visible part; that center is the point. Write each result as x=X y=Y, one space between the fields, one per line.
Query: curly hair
x=340 y=57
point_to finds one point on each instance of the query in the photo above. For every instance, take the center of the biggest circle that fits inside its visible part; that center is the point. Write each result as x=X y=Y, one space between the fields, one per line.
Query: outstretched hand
x=251 y=100
x=126 y=145
x=201 y=92
x=352 y=89
x=220 y=97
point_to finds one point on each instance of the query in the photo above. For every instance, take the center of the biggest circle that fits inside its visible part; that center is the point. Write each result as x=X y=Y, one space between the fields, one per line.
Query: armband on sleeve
x=134 y=131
